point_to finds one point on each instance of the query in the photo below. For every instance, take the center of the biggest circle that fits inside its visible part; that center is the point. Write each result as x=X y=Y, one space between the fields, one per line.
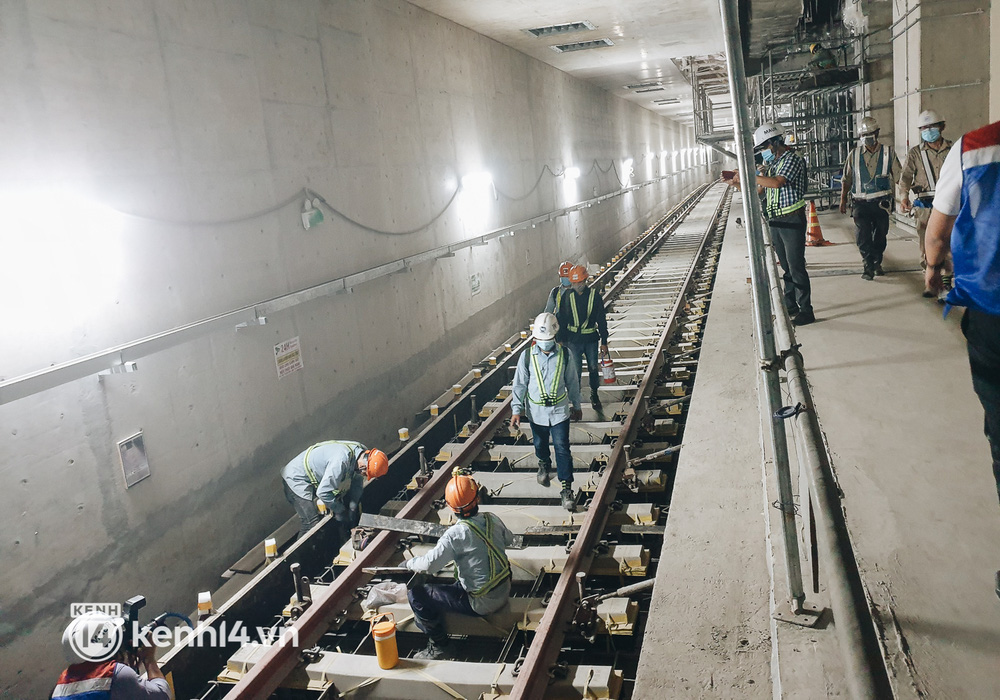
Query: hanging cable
x=360 y=225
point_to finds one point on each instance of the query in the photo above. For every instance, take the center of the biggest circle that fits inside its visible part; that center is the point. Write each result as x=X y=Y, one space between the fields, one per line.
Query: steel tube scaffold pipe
x=865 y=667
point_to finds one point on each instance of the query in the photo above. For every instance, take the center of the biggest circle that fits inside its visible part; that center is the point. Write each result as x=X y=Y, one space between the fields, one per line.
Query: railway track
x=545 y=643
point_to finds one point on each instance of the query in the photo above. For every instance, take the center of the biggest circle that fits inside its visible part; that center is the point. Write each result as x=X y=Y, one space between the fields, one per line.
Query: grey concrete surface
x=708 y=631
x=892 y=389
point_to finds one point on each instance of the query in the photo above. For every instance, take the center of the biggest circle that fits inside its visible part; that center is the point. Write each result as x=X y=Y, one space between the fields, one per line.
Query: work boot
x=868 y=274
x=595 y=400
x=803 y=318
x=928 y=293
x=543 y=473
x=878 y=270
x=568 y=497
x=435 y=651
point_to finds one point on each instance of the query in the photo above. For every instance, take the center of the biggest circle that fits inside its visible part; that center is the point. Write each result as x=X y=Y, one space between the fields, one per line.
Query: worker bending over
x=334 y=473
x=582 y=323
x=111 y=679
x=547 y=391
x=476 y=543
x=556 y=295
x=870 y=173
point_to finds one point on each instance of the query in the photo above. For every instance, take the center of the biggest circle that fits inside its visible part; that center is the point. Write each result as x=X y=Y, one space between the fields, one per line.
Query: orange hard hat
x=578 y=274
x=378 y=464
x=564 y=268
x=462 y=494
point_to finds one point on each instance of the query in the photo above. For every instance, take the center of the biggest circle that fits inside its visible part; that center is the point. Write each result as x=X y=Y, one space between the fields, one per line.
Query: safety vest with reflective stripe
x=585 y=327
x=549 y=398
x=86 y=681
x=867 y=186
x=499 y=563
x=305 y=460
x=929 y=174
x=774 y=196
x=975 y=243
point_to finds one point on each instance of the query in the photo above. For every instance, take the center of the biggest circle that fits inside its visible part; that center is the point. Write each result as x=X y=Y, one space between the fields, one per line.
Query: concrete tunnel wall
x=215 y=110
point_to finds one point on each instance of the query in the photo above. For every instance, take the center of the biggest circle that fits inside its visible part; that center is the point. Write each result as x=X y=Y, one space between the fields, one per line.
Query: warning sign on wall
x=287 y=357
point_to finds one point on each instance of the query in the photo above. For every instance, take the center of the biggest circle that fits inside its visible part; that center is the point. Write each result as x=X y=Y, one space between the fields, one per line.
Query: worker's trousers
x=429 y=603
x=921 y=216
x=982 y=331
x=871 y=226
x=586 y=345
x=304 y=508
x=788 y=235
x=559 y=433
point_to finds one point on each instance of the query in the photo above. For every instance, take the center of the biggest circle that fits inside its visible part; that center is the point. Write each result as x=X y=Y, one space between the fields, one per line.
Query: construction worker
x=582 y=323
x=870 y=173
x=476 y=544
x=333 y=473
x=782 y=179
x=965 y=220
x=110 y=679
x=547 y=391
x=822 y=58
x=920 y=175
x=555 y=296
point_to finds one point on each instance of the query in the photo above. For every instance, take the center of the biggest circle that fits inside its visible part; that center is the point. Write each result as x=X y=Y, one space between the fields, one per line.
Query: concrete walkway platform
x=891 y=384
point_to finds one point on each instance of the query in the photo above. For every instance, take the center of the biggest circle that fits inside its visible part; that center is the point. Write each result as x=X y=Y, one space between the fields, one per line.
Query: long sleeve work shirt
x=528 y=395
x=332 y=475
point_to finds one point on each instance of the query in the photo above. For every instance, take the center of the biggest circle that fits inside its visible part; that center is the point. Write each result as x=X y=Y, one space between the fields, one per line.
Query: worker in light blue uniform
x=332 y=472
x=555 y=296
x=476 y=543
x=547 y=391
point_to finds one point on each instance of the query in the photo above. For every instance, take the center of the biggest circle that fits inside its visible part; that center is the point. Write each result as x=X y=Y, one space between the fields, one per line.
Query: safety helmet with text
x=564 y=268
x=928 y=118
x=578 y=274
x=868 y=127
x=378 y=464
x=545 y=327
x=462 y=494
x=765 y=132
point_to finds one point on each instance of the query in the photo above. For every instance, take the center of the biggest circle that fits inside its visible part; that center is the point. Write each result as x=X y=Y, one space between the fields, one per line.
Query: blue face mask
x=768 y=155
x=564 y=281
x=545 y=345
x=930 y=135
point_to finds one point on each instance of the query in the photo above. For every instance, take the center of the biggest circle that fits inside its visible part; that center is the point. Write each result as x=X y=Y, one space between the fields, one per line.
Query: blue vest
x=975 y=240
x=868 y=186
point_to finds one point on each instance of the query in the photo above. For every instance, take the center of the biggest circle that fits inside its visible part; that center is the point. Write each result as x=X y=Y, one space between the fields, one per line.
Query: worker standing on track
x=556 y=295
x=870 y=173
x=476 y=543
x=333 y=472
x=920 y=174
x=583 y=328
x=547 y=391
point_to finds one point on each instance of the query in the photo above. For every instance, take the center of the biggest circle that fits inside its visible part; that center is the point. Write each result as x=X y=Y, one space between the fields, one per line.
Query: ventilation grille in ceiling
x=569 y=28
x=668 y=101
x=640 y=86
x=582 y=45
x=652 y=89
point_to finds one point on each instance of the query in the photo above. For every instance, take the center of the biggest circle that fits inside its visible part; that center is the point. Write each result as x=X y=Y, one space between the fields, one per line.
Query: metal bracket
x=786 y=412
x=258 y=321
x=121 y=368
x=808 y=615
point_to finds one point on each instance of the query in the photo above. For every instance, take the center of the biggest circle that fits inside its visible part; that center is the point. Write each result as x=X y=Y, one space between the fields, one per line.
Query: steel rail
x=267 y=674
x=532 y=679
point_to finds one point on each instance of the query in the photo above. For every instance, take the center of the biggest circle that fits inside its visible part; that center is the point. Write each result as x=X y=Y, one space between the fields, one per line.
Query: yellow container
x=383 y=629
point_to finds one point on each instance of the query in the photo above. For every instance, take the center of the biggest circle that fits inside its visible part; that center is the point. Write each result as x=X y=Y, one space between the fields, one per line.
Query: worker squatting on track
x=965 y=219
x=782 y=181
x=476 y=543
x=870 y=173
x=583 y=327
x=920 y=175
x=547 y=392
x=333 y=473
x=110 y=679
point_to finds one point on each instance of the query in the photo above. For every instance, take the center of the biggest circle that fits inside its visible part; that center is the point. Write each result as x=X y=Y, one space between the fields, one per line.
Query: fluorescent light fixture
x=477 y=181
x=572 y=173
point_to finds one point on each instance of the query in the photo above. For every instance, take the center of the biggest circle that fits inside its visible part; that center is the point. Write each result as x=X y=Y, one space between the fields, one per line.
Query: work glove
x=354 y=514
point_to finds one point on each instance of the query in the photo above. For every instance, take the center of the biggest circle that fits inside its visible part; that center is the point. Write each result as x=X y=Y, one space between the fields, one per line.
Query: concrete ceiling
x=647 y=36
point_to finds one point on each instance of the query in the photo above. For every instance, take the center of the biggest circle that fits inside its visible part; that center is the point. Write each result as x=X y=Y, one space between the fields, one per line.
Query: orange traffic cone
x=814 y=232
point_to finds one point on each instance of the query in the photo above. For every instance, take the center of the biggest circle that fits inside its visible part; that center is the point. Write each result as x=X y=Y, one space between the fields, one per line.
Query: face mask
x=579 y=286
x=545 y=345
x=564 y=281
x=868 y=140
x=930 y=135
x=768 y=155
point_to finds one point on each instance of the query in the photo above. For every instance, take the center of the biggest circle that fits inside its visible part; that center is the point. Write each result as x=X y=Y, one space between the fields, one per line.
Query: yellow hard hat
x=813 y=47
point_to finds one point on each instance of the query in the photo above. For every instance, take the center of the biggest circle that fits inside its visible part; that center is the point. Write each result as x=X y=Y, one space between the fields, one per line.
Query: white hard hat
x=927 y=118
x=765 y=132
x=92 y=637
x=868 y=126
x=546 y=326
